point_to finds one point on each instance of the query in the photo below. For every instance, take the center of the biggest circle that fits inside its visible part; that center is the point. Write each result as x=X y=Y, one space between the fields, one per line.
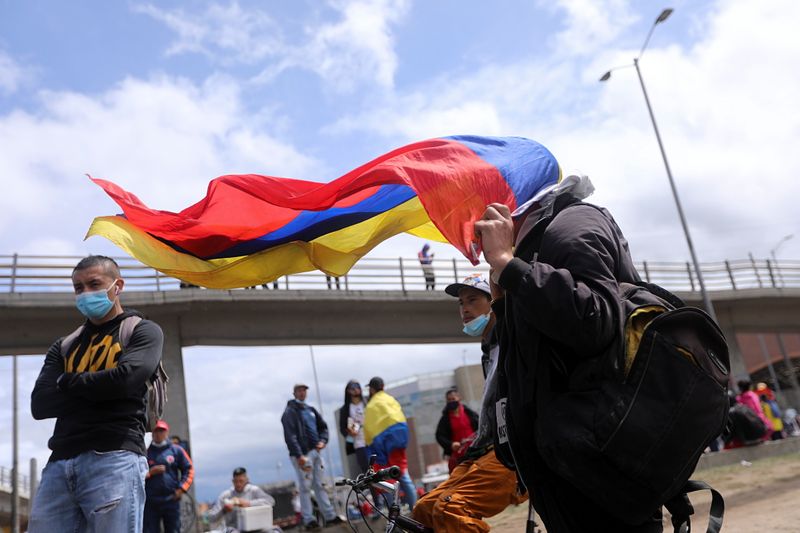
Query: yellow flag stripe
x=334 y=253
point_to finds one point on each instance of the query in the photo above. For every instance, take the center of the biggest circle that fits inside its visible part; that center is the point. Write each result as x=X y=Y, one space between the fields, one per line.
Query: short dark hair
x=110 y=266
x=239 y=471
x=744 y=385
x=376 y=383
x=450 y=391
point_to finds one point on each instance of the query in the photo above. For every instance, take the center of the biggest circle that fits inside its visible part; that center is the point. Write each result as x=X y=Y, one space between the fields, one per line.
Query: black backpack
x=745 y=425
x=156 y=385
x=632 y=441
x=631 y=430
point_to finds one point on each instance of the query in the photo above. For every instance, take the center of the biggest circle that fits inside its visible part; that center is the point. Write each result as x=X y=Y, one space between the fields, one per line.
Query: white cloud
x=589 y=24
x=359 y=46
x=356 y=48
x=226 y=33
x=723 y=106
x=162 y=139
x=12 y=74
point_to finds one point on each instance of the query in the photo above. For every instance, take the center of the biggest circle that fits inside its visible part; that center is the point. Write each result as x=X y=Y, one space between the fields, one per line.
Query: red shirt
x=460 y=424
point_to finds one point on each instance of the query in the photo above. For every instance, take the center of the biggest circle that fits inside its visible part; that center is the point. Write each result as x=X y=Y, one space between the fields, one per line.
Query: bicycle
x=395 y=522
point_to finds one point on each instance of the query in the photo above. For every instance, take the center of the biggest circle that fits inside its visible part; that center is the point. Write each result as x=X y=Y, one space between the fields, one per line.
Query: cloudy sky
x=162 y=97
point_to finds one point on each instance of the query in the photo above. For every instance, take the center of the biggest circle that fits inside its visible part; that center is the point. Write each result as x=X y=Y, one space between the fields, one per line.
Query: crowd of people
x=548 y=309
x=755 y=417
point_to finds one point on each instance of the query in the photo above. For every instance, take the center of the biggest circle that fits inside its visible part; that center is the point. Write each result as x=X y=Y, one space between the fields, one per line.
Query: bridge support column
x=176 y=411
x=738 y=368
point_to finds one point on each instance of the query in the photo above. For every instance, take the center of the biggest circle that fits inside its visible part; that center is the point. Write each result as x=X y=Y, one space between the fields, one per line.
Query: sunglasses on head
x=354 y=386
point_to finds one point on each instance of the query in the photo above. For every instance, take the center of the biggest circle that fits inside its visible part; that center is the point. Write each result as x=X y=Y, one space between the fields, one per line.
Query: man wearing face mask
x=306 y=435
x=456 y=428
x=479 y=486
x=168 y=479
x=95 y=388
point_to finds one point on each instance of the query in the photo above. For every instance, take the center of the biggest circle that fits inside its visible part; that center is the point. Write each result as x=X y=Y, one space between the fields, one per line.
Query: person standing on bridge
x=426 y=262
x=94 y=384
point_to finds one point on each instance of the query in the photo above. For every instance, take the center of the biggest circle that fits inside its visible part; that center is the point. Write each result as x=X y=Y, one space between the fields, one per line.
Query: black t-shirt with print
x=96 y=390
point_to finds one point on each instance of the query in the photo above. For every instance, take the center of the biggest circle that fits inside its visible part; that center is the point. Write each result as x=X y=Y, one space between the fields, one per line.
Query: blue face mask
x=94 y=305
x=475 y=327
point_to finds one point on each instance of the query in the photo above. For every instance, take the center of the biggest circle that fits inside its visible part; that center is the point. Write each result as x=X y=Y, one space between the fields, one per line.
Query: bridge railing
x=51 y=273
x=23 y=483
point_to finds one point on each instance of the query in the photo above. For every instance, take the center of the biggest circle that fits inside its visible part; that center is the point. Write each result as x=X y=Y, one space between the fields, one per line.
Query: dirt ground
x=762 y=496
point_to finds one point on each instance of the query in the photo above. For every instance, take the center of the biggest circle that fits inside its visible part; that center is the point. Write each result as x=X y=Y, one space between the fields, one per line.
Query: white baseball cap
x=474 y=281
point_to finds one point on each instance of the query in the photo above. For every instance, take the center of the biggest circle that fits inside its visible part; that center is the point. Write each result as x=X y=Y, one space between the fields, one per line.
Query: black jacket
x=344 y=414
x=560 y=313
x=96 y=392
x=294 y=430
x=444 y=433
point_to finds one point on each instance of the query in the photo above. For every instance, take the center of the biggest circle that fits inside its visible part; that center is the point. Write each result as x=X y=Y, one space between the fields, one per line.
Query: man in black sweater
x=556 y=269
x=94 y=385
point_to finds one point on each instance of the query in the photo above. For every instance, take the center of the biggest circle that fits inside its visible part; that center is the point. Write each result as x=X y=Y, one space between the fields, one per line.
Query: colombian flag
x=385 y=427
x=251 y=229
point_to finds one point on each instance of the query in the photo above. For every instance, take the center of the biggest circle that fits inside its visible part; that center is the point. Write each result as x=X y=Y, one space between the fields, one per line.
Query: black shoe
x=312 y=526
x=335 y=520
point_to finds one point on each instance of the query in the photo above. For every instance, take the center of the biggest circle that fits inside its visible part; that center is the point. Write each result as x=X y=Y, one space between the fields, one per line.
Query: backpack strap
x=126 y=328
x=66 y=342
x=125 y=332
x=681 y=508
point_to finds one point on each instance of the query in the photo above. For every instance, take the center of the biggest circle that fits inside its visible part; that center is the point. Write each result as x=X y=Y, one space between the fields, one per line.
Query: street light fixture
x=706 y=300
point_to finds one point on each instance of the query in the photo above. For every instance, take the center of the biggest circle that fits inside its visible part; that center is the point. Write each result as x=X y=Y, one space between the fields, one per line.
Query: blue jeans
x=169 y=512
x=95 y=492
x=312 y=479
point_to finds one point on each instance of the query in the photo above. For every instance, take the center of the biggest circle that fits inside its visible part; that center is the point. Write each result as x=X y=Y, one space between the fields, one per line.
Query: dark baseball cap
x=376 y=383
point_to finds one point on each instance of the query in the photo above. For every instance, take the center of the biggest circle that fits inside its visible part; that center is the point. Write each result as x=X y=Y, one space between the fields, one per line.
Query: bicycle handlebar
x=364 y=480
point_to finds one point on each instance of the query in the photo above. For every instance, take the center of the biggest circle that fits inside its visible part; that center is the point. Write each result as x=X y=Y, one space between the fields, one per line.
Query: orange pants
x=474 y=490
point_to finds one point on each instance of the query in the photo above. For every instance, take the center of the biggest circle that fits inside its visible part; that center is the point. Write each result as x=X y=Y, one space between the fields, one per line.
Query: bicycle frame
x=397 y=523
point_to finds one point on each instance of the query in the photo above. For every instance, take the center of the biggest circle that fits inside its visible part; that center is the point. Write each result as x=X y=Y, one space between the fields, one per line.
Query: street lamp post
x=774 y=257
x=704 y=293
x=321 y=412
x=15 y=455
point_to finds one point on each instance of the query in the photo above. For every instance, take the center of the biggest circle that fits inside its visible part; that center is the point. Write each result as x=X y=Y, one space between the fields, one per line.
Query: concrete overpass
x=257 y=318
x=380 y=301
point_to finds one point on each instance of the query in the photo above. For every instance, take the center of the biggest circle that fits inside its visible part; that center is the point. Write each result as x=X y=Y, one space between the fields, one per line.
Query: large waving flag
x=385 y=427
x=251 y=229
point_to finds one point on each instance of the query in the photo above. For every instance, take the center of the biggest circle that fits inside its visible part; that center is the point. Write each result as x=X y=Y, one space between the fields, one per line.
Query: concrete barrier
x=749 y=453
